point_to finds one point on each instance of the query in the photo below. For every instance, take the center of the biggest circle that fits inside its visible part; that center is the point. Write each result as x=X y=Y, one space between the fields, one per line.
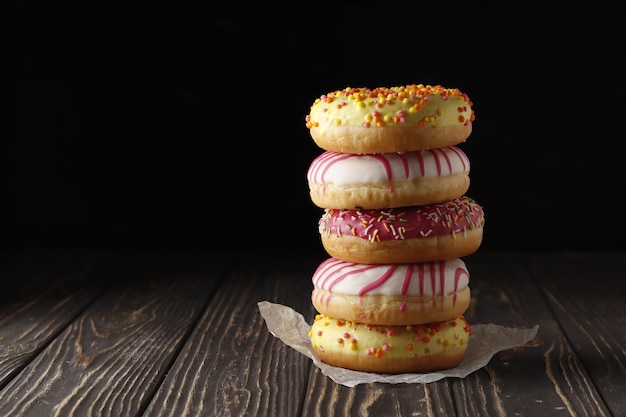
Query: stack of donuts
x=396 y=223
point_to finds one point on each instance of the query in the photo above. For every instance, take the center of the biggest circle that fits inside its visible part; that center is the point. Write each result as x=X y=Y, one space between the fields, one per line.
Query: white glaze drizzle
x=342 y=169
x=420 y=279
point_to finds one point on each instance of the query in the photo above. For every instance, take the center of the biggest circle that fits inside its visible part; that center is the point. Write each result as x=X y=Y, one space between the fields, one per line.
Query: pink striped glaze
x=342 y=168
x=426 y=279
x=421 y=279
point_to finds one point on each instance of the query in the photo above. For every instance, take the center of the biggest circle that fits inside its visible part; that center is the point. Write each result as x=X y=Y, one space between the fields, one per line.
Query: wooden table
x=178 y=333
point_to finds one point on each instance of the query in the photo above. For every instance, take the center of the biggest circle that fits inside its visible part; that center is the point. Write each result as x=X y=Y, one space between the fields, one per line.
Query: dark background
x=167 y=127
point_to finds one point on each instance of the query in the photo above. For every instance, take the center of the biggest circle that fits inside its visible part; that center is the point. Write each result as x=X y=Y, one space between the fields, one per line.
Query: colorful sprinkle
x=400 y=106
x=451 y=218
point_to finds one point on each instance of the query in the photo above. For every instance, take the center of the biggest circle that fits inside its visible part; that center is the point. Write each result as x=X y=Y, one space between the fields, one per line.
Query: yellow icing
x=356 y=339
x=414 y=105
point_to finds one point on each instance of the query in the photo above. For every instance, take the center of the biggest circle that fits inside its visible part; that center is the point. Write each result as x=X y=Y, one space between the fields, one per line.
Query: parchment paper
x=485 y=341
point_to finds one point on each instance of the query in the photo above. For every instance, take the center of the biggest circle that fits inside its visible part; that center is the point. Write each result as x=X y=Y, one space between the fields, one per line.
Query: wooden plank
x=326 y=398
x=587 y=294
x=126 y=354
x=40 y=294
x=544 y=379
x=231 y=365
x=110 y=360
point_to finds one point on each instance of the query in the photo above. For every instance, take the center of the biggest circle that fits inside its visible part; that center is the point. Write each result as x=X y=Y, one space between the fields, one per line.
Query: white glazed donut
x=392 y=294
x=376 y=181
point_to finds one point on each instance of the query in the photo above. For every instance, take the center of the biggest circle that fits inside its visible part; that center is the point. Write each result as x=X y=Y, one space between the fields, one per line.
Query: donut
x=441 y=231
x=392 y=294
x=374 y=181
x=390 y=349
x=395 y=119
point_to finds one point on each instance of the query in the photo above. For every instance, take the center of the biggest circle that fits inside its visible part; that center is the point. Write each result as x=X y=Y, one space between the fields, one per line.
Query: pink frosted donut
x=374 y=181
x=452 y=229
x=391 y=294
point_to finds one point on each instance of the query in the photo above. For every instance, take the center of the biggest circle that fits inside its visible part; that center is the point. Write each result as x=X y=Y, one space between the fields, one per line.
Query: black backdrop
x=169 y=127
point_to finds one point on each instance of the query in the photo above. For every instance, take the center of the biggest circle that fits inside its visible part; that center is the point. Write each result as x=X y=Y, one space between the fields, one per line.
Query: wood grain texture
x=326 y=398
x=587 y=294
x=231 y=365
x=179 y=334
x=40 y=295
x=547 y=376
x=110 y=360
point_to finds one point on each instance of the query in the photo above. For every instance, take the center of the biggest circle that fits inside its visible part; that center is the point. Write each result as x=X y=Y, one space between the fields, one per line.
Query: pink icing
x=418 y=222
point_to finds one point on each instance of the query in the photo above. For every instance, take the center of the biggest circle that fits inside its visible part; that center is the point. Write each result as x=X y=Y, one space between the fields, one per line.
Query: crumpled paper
x=486 y=340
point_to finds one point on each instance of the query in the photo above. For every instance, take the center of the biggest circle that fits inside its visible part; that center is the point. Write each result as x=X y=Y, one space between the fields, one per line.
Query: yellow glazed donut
x=390 y=349
x=374 y=181
x=395 y=119
x=392 y=294
x=447 y=230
